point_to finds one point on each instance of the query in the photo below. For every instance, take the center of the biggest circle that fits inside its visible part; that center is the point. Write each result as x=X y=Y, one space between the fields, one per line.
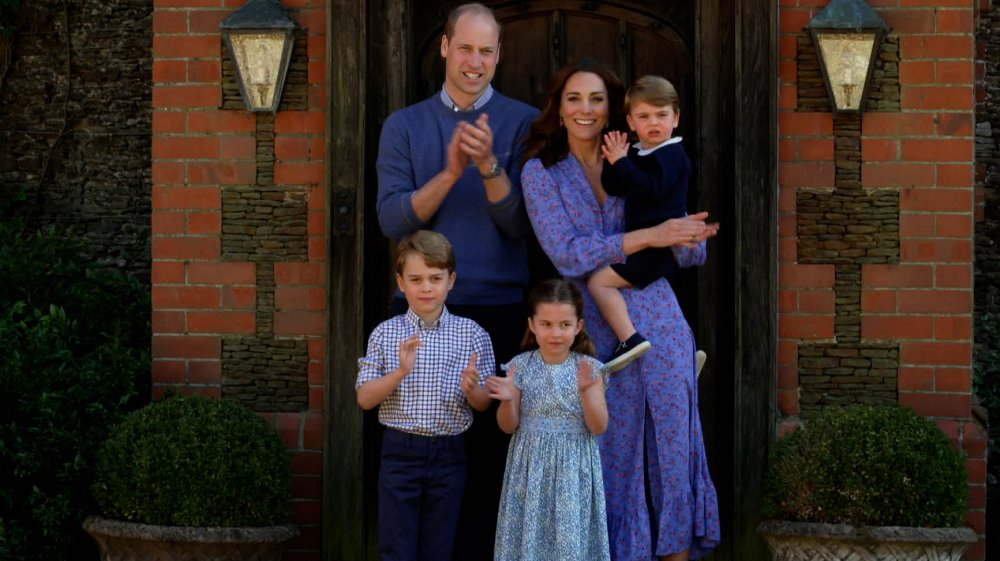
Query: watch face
x=495 y=170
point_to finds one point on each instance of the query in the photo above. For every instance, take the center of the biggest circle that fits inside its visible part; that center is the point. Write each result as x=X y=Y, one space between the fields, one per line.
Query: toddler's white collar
x=647 y=151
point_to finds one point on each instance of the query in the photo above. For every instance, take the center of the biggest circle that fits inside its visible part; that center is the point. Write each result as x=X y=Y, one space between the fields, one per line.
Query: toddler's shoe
x=627 y=351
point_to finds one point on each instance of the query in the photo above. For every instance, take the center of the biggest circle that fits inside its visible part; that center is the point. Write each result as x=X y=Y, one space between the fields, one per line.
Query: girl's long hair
x=546 y=138
x=558 y=291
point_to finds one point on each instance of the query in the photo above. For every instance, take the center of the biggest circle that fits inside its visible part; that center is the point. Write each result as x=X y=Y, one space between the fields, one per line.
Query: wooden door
x=720 y=56
x=540 y=37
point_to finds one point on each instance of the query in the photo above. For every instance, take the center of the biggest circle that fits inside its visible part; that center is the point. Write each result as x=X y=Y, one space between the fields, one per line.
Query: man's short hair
x=432 y=246
x=474 y=8
x=653 y=90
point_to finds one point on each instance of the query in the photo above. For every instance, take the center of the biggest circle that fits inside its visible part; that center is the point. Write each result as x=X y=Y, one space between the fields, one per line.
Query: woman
x=653 y=446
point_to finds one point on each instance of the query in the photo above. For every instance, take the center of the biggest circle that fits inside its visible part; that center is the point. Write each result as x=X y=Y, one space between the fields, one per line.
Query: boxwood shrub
x=867 y=466
x=194 y=461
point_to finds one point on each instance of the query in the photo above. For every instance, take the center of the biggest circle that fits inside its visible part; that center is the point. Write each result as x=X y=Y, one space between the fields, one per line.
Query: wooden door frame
x=744 y=63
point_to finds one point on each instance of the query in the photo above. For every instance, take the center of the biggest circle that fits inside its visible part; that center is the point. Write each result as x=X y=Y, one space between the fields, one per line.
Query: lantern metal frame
x=259 y=17
x=840 y=33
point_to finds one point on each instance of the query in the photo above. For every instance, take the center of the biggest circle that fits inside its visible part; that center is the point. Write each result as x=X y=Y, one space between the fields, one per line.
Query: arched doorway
x=720 y=55
x=539 y=37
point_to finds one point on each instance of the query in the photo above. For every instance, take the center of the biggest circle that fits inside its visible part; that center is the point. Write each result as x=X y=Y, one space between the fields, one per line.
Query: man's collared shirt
x=478 y=104
x=429 y=400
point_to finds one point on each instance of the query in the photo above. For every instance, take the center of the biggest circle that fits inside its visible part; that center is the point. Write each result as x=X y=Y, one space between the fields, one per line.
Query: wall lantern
x=259 y=37
x=847 y=35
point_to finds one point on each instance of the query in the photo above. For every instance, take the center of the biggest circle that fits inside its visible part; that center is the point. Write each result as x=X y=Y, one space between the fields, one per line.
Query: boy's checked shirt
x=429 y=400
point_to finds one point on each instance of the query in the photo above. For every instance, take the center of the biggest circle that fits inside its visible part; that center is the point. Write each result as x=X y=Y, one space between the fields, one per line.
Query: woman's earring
x=561 y=122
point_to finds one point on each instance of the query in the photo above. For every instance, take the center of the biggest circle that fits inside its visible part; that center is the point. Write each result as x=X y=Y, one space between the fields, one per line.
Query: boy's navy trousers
x=420 y=484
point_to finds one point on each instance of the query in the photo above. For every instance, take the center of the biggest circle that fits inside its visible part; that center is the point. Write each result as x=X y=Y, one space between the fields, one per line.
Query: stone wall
x=75 y=113
x=987 y=227
x=847 y=226
x=987 y=262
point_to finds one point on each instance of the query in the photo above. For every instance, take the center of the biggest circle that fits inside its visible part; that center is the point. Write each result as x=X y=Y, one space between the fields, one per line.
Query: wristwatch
x=495 y=171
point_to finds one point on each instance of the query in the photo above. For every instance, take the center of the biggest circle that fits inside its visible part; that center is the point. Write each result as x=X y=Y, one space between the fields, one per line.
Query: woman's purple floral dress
x=654 y=400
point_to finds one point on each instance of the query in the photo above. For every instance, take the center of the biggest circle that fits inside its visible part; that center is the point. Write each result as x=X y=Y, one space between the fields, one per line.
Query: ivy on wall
x=8 y=23
x=75 y=112
x=8 y=11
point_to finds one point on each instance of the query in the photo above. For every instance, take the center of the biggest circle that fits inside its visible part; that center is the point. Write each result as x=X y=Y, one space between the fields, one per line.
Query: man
x=451 y=164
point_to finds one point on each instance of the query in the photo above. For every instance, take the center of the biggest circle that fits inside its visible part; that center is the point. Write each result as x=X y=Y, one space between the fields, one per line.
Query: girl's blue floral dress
x=552 y=503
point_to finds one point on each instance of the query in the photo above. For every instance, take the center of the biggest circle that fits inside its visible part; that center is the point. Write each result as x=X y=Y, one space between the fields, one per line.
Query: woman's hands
x=688 y=231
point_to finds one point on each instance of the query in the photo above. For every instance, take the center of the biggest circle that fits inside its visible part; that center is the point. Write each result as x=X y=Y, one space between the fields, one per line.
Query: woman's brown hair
x=558 y=291
x=547 y=139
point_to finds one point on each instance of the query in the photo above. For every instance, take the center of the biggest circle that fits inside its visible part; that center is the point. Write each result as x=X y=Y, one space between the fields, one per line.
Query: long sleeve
x=612 y=181
x=690 y=256
x=396 y=182
x=649 y=182
x=509 y=214
x=567 y=224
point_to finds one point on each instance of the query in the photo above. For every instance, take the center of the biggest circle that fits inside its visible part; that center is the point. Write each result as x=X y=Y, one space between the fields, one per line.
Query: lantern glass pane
x=258 y=56
x=846 y=57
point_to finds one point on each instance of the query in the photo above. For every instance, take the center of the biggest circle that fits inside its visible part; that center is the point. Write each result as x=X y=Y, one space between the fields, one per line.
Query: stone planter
x=129 y=541
x=804 y=541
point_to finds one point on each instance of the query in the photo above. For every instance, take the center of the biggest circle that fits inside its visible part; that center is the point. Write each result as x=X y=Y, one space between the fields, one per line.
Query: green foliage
x=194 y=461
x=867 y=466
x=47 y=268
x=9 y=9
x=986 y=370
x=74 y=341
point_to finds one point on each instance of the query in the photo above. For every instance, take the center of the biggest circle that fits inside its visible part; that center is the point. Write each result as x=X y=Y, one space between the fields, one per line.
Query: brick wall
x=238 y=239
x=876 y=218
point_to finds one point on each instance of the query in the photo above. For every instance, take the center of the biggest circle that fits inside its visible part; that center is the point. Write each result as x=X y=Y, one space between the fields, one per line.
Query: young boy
x=652 y=176
x=421 y=371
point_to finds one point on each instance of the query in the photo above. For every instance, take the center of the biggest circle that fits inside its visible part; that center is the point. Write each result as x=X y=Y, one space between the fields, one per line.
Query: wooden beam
x=756 y=118
x=344 y=528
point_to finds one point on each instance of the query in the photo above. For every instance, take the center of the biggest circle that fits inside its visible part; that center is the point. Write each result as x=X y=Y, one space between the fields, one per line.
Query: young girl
x=552 y=401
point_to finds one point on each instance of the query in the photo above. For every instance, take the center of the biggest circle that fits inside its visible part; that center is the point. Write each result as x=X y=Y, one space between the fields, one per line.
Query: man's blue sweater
x=488 y=239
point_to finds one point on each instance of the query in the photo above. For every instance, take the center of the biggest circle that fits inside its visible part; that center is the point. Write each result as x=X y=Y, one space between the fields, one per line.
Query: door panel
x=720 y=55
x=593 y=36
x=526 y=42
